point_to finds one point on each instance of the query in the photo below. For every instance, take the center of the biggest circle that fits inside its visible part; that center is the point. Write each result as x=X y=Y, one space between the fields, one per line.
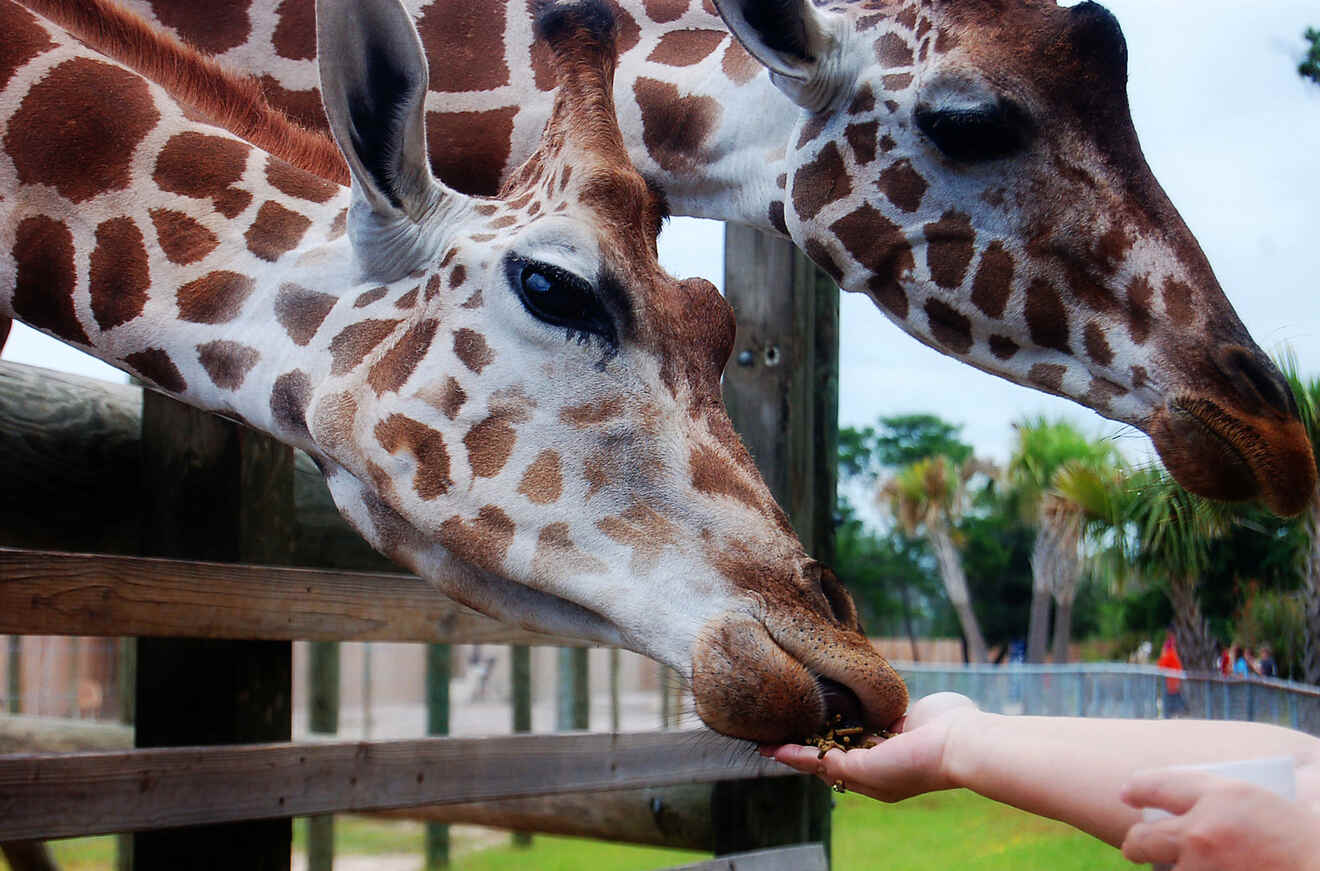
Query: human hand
x=1220 y=825
x=910 y=763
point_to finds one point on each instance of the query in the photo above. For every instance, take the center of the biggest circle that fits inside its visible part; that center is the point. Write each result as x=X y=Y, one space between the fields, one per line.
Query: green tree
x=996 y=555
x=927 y=497
x=1306 y=392
x=897 y=441
x=1310 y=65
x=1044 y=448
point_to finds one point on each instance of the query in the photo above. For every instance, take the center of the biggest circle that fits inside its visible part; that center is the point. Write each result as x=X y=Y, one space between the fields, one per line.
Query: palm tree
x=926 y=497
x=1306 y=391
x=1043 y=448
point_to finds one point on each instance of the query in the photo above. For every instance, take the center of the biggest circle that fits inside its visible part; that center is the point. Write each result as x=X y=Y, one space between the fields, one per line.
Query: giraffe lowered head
x=526 y=409
x=972 y=166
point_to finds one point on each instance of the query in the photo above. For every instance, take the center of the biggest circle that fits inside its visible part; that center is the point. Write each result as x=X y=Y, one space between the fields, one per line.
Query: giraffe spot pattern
x=400 y=433
x=776 y=216
x=332 y=421
x=182 y=239
x=289 y=398
x=738 y=65
x=949 y=248
x=44 y=278
x=1140 y=296
x=879 y=245
x=77 y=128
x=543 y=481
x=592 y=414
x=993 y=283
x=393 y=369
x=1003 y=347
x=469 y=149
x=674 y=127
x=892 y=50
x=227 y=363
x=1090 y=292
x=490 y=443
x=471 y=348
x=811 y=129
x=301 y=311
x=1102 y=393
x=822 y=257
x=1139 y=377
x=683 y=48
x=408 y=300
x=887 y=143
x=355 y=341
x=1178 y=302
x=276 y=231
x=215 y=298
x=24 y=40
x=484 y=541
x=662 y=11
x=367 y=297
x=1113 y=248
x=950 y=327
x=205 y=167
x=861 y=138
x=302 y=106
x=641 y=528
x=556 y=554
x=822 y=181
x=475 y=301
x=212 y=27
x=902 y=185
x=295 y=30
x=1047 y=376
x=472 y=33
x=1097 y=346
x=1047 y=319
x=298 y=183
x=156 y=366
x=863 y=102
x=897 y=82
x=945 y=41
x=713 y=475
x=447 y=398
x=119 y=276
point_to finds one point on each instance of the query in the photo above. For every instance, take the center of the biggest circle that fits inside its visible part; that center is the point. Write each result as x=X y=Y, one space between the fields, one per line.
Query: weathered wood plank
x=48 y=593
x=88 y=793
x=806 y=857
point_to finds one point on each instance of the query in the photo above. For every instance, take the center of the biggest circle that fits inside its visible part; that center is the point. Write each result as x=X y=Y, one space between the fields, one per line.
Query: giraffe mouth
x=1233 y=458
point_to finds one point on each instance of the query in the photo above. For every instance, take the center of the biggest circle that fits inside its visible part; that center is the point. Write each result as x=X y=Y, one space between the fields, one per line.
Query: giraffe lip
x=1222 y=456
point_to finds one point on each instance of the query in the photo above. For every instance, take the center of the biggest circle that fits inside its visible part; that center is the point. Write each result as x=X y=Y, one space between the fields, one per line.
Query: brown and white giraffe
x=969 y=164
x=506 y=395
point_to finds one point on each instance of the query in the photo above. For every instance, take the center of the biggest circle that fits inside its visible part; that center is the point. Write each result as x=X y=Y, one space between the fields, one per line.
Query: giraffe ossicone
x=506 y=395
x=971 y=165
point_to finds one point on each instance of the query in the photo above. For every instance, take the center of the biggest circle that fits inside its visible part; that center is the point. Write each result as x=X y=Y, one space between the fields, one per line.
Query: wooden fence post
x=322 y=719
x=520 y=681
x=439 y=666
x=222 y=493
x=781 y=389
x=14 y=675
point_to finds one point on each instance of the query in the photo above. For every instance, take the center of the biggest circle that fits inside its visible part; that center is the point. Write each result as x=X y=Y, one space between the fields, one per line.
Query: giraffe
x=970 y=165
x=506 y=395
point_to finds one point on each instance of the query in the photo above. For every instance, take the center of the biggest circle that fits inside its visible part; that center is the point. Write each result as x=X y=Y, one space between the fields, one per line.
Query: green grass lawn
x=948 y=830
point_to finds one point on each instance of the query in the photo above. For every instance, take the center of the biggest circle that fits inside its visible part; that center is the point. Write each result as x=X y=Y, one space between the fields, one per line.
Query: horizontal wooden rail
x=50 y=593
x=91 y=793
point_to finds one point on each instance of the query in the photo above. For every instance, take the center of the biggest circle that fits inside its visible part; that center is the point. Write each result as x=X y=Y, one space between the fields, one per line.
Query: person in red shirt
x=1174 y=704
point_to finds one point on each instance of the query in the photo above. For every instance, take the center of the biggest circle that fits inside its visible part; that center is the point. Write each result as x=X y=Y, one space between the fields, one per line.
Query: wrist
x=957 y=761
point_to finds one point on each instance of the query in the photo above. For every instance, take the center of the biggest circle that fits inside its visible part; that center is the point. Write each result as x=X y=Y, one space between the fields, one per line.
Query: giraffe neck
x=163 y=245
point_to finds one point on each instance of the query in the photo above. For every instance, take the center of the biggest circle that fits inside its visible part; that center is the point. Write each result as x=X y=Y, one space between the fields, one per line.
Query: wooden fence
x=198 y=523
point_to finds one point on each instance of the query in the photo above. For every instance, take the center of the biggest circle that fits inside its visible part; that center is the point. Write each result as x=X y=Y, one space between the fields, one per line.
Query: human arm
x=1220 y=825
x=1067 y=768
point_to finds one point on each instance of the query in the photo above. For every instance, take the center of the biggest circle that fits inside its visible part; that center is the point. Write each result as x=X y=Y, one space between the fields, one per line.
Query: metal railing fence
x=1120 y=690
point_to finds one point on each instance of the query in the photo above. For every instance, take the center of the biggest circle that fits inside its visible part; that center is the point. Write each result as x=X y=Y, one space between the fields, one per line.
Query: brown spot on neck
x=399 y=433
x=949 y=248
x=994 y=281
x=594 y=413
x=447 y=398
x=119 y=276
x=714 y=475
x=558 y=557
x=228 y=363
x=484 y=541
x=820 y=182
x=683 y=48
x=393 y=369
x=182 y=239
x=355 y=341
x=471 y=348
x=674 y=128
x=643 y=529
x=543 y=482
x=1047 y=319
x=215 y=298
x=489 y=444
x=156 y=366
x=276 y=231
x=44 y=278
x=289 y=399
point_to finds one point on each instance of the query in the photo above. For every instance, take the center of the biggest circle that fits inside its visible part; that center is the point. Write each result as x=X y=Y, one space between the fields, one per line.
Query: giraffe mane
x=233 y=101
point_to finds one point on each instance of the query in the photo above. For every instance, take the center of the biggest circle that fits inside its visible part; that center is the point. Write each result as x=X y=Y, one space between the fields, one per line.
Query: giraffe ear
x=373 y=84
x=788 y=36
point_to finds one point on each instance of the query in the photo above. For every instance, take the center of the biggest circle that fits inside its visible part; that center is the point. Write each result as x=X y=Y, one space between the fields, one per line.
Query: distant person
x=1225 y=658
x=1096 y=774
x=1241 y=668
x=1267 y=666
x=1174 y=703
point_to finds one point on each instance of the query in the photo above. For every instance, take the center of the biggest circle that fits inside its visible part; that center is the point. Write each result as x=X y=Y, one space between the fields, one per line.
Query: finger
x=1152 y=843
x=805 y=759
x=1168 y=789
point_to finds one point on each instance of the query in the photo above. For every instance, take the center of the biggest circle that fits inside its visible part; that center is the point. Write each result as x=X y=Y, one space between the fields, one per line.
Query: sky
x=1231 y=131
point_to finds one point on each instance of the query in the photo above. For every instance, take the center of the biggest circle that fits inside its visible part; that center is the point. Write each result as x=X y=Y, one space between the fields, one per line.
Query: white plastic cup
x=1274 y=773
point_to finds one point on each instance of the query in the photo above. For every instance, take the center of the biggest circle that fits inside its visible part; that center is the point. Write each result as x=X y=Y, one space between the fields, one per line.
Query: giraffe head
x=525 y=391
x=973 y=167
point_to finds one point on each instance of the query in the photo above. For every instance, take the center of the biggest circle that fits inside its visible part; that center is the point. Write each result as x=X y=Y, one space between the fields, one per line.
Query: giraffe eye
x=561 y=299
x=976 y=133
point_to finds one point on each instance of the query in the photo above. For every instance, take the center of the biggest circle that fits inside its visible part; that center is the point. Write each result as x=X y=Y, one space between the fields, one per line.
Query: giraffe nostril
x=1255 y=376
